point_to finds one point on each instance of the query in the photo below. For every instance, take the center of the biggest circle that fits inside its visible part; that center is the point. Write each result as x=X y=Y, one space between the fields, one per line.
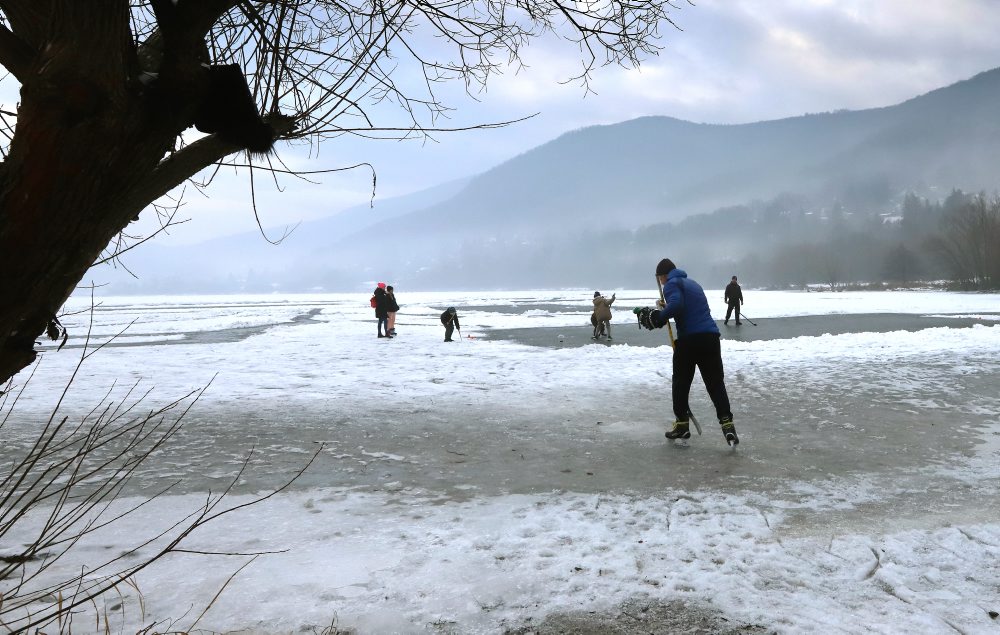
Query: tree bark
x=29 y=19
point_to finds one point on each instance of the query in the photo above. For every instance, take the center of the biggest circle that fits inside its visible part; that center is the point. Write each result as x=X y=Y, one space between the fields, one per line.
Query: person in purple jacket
x=697 y=345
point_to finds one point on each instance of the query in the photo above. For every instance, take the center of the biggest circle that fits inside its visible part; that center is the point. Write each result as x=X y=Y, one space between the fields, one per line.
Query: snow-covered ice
x=513 y=476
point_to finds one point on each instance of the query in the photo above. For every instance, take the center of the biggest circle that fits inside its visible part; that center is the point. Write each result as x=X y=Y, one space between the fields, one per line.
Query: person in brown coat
x=601 y=317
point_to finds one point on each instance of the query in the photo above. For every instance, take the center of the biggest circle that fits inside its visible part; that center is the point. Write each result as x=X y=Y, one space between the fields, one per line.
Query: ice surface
x=485 y=484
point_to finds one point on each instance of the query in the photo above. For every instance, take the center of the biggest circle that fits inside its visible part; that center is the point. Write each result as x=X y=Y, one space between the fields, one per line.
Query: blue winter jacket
x=687 y=304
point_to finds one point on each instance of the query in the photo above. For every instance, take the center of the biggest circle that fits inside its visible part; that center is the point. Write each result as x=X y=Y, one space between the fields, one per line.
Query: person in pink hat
x=382 y=310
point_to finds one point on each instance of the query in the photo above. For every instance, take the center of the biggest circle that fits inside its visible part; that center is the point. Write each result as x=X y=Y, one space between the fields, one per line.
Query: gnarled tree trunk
x=85 y=160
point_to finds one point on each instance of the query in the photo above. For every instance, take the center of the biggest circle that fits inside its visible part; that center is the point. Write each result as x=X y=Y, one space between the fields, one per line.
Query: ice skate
x=729 y=430
x=679 y=431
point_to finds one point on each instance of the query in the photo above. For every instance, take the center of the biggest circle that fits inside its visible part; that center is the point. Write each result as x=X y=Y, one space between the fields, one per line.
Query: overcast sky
x=734 y=61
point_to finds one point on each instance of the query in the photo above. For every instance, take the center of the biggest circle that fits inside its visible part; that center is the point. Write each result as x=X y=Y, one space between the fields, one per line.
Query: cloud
x=861 y=54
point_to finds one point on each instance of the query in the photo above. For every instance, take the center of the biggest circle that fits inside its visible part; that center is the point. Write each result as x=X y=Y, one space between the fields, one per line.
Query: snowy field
x=518 y=480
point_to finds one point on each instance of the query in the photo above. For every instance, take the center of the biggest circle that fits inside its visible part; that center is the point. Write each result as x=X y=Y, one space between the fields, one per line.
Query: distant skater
x=697 y=346
x=392 y=309
x=450 y=321
x=733 y=298
x=601 y=318
x=382 y=310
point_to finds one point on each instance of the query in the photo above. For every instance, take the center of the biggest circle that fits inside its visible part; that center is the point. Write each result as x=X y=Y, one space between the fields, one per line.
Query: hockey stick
x=744 y=316
x=673 y=344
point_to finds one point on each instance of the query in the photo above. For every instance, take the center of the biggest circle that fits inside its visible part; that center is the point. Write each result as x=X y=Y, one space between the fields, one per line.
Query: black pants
x=449 y=328
x=729 y=311
x=701 y=350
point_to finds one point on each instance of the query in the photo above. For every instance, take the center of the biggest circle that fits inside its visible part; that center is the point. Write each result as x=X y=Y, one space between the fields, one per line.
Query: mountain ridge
x=751 y=153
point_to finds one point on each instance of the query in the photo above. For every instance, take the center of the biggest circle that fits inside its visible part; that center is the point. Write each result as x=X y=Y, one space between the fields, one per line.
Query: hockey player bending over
x=697 y=345
x=449 y=319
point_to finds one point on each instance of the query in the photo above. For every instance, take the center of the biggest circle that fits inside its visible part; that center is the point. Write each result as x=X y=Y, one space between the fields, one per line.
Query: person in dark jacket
x=733 y=298
x=697 y=345
x=450 y=321
x=382 y=309
x=392 y=308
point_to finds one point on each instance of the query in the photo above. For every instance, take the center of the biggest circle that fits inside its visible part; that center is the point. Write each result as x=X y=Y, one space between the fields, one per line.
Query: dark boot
x=729 y=430
x=679 y=431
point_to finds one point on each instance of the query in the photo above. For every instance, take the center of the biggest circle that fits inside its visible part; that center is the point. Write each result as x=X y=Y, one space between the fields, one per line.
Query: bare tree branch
x=68 y=484
x=15 y=54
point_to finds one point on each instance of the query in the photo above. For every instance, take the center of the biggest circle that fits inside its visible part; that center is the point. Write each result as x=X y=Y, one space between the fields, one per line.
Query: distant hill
x=653 y=170
x=663 y=169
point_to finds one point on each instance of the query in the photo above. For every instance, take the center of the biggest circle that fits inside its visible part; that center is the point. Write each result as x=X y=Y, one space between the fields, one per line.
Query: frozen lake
x=518 y=479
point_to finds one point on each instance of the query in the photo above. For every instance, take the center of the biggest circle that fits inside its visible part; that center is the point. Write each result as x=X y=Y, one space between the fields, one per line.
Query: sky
x=728 y=61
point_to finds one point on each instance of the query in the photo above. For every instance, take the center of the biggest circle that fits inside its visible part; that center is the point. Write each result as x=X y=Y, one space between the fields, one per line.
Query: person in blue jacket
x=697 y=345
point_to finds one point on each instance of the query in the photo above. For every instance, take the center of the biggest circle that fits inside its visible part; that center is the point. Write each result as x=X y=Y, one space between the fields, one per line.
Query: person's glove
x=645 y=317
x=641 y=314
x=656 y=320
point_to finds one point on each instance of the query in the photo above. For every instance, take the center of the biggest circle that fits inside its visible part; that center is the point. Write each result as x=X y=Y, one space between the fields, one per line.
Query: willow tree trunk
x=83 y=145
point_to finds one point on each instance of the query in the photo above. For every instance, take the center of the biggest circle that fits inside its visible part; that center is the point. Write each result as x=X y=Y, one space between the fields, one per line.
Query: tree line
x=953 y=242
x=787 y=242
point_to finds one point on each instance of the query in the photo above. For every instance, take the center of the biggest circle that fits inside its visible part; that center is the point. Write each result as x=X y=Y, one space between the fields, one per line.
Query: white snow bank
x=400 y=563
